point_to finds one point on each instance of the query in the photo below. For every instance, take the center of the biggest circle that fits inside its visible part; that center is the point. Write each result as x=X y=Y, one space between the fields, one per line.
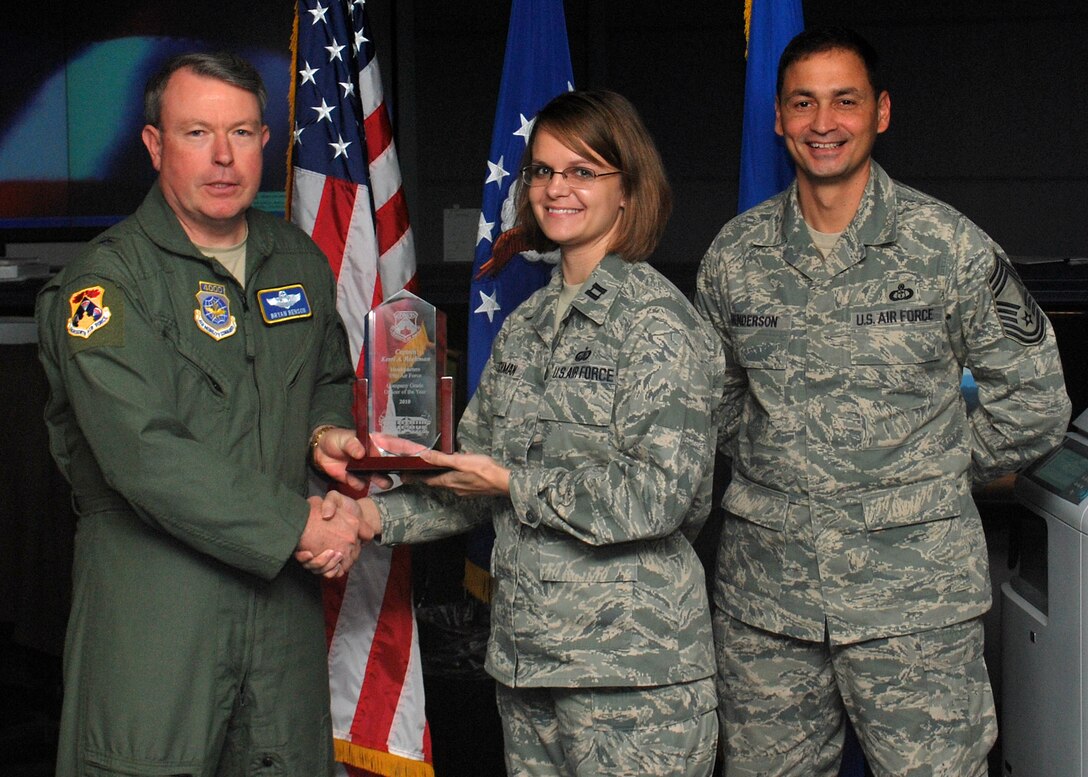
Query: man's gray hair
x=223 y=66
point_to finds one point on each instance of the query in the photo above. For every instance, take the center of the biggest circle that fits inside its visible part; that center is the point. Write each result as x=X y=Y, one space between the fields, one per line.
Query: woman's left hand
x=470 y=474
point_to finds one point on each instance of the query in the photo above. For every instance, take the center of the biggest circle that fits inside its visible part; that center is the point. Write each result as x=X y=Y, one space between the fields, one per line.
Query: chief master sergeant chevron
x=852 y=571
x=192 y=351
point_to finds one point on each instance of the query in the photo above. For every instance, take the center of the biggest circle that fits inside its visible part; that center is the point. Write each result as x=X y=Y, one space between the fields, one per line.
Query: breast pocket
x=897 y=370
x=763 y=354
x=203 y=384
x=760 y=349
x=512 y=408
x=576 y=416
x=903 y=337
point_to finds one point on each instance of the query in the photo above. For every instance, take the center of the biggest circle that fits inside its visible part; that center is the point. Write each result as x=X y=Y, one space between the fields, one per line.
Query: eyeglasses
x=576 y=177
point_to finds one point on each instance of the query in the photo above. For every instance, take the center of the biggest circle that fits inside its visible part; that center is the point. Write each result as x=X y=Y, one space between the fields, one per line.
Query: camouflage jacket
x=608 y=432
x=853 y=451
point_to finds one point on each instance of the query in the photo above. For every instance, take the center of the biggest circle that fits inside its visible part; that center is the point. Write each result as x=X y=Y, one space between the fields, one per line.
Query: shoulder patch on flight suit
x=1020 y=316
x=284 y=303
x=90 y=315
x=212 y=314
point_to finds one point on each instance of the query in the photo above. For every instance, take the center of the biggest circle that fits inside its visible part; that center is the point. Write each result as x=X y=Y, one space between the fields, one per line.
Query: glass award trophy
x=404 y=404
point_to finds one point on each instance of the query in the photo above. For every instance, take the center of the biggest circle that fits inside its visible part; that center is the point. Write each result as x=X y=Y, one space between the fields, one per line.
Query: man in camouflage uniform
x=852 y=572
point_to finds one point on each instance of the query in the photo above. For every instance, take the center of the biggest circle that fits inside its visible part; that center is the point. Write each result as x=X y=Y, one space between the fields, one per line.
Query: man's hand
x=330 y=542
x=370 y=520
x=335 y=448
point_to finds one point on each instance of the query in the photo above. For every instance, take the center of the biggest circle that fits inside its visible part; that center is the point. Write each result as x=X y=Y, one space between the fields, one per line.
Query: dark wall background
x=989 y=110
x=989 y=99
x=989 y=104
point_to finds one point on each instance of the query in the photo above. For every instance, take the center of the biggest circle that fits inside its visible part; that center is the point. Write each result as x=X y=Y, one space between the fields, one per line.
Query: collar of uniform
x=601 y=288
x=873 y=223
x=539 y=309
x=162 y=227
x=767 y=221
x=592 y=301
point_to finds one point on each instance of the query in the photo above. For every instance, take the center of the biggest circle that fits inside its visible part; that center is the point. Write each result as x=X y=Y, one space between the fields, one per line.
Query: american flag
x=535 y=69
x=345 y=191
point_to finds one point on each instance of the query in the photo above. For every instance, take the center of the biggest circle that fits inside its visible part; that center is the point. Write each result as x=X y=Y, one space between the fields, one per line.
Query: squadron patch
x=212 y=314
x=285 y=303
x=1020 y=316
x=89 y=314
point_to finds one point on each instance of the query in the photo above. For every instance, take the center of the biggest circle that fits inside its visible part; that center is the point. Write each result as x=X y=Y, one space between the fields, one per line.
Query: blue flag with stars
x=536 y=69
x=765 y=167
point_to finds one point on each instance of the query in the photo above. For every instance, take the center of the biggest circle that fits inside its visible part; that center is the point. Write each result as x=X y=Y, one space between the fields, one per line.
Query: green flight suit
x=180 y=410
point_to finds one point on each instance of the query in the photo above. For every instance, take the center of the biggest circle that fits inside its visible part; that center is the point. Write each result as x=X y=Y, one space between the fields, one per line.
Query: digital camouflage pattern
x=921 y=703
x=853 y=453
x=609 y=432
x=666 y=731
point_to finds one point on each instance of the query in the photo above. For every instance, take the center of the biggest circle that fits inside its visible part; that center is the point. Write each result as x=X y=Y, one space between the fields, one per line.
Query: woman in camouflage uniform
x=589 y=445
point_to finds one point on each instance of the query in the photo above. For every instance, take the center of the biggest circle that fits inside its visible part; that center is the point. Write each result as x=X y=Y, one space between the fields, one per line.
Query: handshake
x=339 y=525
x=335 y=532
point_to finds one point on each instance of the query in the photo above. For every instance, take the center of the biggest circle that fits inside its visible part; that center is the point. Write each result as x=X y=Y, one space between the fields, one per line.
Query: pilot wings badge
x=284 y=303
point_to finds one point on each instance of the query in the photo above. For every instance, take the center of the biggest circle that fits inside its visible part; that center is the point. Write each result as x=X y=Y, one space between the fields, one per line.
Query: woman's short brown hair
x=603 y=126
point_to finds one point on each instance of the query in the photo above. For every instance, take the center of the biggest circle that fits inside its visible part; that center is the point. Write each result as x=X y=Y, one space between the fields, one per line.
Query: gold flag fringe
x=477 y=582
x=376 y=761
x=290 y=185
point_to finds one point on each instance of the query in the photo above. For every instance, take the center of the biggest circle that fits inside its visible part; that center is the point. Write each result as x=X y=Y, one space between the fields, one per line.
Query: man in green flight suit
x=197 y=367
x=852 y=572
